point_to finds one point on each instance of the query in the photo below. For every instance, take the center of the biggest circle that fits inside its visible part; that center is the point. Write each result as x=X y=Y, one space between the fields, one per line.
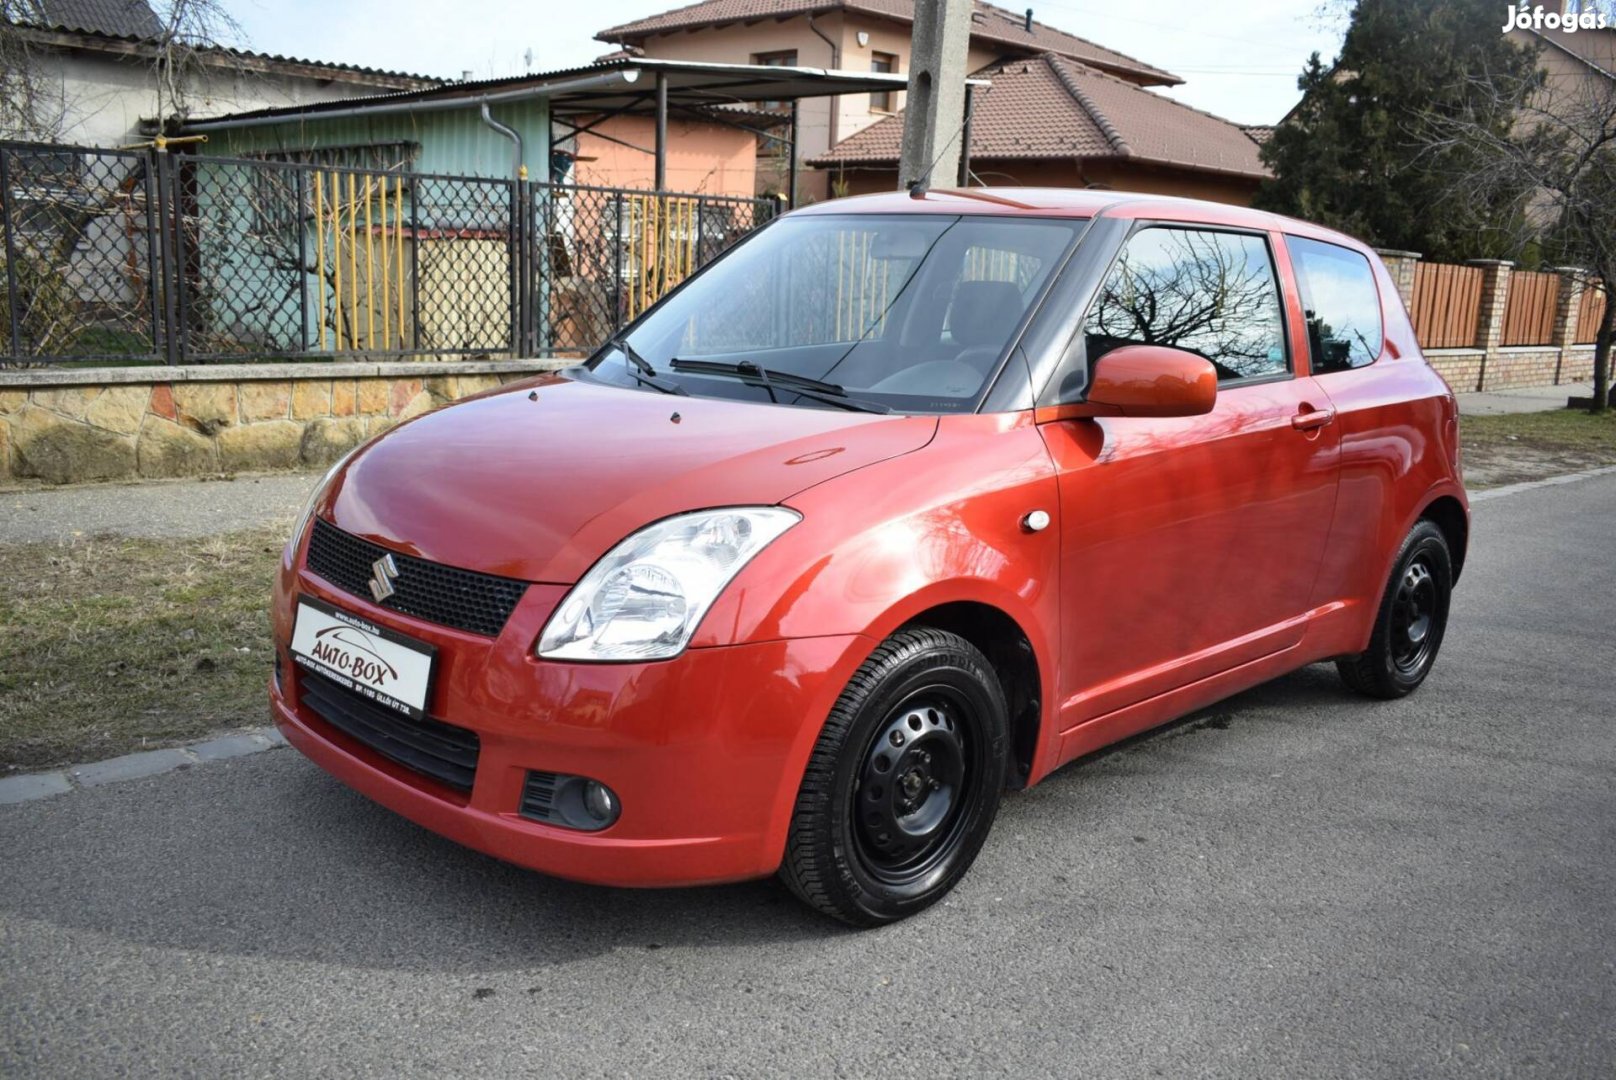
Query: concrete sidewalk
x=169 y=508
x=1523 y=400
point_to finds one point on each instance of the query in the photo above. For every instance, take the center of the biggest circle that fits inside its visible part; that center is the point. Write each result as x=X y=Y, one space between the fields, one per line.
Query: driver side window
x=1212 y=293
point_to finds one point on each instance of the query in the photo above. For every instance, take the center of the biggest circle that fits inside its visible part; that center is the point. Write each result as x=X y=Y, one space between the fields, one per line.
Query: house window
x=787 y=58
x=884 y=101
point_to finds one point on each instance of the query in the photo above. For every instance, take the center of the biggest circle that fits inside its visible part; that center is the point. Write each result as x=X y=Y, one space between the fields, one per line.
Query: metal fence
x=143 y=256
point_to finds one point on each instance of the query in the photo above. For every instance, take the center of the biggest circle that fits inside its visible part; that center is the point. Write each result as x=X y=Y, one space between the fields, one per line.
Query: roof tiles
x=1053 y=107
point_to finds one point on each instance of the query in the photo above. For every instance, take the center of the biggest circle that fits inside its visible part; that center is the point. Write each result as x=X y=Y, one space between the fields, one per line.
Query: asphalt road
x=1295 y=883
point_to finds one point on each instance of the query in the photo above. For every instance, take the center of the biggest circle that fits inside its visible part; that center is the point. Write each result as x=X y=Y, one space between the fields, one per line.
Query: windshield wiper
x=827 y=392
x=641 y=368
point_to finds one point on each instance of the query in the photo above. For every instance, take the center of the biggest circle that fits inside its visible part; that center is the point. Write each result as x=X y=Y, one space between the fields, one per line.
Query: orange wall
x=853 y=110
x=739 y=42
x=822 y=121
x=706 y=159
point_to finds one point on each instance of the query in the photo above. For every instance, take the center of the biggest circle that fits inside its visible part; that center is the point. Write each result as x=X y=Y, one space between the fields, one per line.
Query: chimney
x=1029 y=20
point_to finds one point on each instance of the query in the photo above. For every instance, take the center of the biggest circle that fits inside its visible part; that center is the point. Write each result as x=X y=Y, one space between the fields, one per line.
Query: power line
x=1161 y=26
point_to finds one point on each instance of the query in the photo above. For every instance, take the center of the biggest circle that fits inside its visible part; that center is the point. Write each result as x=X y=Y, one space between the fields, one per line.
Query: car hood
x=538 y=480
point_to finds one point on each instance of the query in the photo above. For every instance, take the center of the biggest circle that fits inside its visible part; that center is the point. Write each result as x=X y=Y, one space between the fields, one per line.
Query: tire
x=904 y=782
x=1412 y=619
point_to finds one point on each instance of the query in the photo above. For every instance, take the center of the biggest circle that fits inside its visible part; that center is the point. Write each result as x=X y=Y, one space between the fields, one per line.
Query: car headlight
x=645 y=598
x=314 y=499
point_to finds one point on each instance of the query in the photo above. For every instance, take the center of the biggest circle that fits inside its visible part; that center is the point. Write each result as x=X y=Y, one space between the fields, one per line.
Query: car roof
x=1072 y=202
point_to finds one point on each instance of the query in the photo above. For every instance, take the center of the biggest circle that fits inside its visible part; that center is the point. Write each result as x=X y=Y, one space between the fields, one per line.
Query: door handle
x=1312 y=418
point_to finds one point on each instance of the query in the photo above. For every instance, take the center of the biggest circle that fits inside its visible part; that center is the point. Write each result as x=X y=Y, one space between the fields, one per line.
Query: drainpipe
x=519 y=232
x=520 y=170
x=835 y=64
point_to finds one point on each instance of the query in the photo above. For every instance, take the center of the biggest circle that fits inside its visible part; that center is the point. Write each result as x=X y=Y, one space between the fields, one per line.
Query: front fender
x=879 y=547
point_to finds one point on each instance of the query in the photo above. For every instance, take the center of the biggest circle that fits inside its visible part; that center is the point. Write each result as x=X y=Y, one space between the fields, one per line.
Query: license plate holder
x=382 y=665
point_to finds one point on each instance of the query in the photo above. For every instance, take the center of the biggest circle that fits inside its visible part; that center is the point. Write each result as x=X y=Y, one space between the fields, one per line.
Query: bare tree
x=182 y=52
x=187 y=46
x=1548 y=184
x=28 y=108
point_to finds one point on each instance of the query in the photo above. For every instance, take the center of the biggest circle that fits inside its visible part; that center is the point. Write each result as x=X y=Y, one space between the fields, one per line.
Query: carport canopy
x=617 y=87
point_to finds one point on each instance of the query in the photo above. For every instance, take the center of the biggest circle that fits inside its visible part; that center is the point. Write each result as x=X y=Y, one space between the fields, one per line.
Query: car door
x=1190 y=544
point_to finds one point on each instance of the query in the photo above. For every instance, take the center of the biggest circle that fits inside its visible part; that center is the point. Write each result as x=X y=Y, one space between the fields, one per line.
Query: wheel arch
x=1010 y=651
x=1447 y=513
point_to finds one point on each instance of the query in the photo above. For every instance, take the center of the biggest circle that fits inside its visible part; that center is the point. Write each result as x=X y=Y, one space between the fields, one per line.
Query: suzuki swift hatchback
x=902 y=502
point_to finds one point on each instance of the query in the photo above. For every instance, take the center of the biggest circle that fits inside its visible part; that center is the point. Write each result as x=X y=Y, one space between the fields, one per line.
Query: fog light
x=600 y=803
x=575 y=802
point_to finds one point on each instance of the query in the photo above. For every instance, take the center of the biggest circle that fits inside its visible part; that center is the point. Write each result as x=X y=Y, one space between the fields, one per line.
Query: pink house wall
x=704 y=159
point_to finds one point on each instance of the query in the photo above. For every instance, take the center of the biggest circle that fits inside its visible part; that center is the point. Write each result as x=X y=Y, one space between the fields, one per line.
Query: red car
x=900 y=503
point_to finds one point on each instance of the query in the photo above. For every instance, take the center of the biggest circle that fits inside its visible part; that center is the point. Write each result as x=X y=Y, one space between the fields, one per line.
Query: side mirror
x=1145 y=380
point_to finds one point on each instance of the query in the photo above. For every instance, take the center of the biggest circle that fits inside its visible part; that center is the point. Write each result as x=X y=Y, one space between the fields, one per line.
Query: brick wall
x=1501 y=369
x=1461 y=367
x=64 y=427
x=1491 y=365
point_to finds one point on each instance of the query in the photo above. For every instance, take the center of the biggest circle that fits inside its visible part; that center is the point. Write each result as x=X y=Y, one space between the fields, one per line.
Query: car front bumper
x=705 y=751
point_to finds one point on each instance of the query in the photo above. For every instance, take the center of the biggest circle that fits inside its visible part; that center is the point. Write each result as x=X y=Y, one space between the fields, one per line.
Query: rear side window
x=1213 y=293
x=1342 y=304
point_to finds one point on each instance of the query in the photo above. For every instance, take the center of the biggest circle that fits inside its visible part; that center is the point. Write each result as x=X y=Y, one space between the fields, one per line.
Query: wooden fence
x=1589 y=314
x=1529 y=311
x=1447 y=305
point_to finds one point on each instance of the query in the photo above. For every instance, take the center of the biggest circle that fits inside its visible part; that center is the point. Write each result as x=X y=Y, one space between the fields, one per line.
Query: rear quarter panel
x=1399 y=453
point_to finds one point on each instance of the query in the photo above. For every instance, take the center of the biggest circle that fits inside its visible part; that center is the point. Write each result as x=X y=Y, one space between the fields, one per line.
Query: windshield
x=906 y=313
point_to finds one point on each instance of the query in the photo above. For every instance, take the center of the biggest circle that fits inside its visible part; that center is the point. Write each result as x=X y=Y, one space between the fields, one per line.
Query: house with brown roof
x=1052 y=121
x=1585 y=54
x=856 y=35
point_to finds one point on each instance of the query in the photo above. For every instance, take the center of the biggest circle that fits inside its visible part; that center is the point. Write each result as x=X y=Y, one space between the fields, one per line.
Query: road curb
x=1531 y=485
x=31 y=786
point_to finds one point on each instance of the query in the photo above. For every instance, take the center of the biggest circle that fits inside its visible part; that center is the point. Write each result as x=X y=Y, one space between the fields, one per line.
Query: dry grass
x=1528 y=446
x=113 y=645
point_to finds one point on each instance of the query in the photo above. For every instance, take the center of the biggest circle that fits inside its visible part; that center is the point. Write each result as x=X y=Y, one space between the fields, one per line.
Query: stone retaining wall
x=70 y=426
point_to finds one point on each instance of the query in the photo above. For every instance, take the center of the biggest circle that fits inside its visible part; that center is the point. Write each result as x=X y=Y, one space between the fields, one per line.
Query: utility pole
x=935 y=109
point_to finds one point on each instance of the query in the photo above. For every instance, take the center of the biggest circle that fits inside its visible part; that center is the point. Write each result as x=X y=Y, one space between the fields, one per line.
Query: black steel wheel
x=1412 y=618
x=1414 y=606
x=904 y=782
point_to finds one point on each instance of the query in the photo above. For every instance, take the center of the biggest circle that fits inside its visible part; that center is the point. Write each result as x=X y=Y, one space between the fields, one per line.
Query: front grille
x=463 y=599
x=436 y=750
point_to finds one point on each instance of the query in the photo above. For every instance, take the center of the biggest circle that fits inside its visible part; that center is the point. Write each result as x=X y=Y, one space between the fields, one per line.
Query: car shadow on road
x=270 y=856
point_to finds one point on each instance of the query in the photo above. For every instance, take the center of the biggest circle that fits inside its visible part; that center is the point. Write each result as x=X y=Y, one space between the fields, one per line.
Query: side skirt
x=1330 y=629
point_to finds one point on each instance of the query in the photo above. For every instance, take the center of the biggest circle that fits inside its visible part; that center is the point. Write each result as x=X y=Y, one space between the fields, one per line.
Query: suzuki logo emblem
x=383 y=572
